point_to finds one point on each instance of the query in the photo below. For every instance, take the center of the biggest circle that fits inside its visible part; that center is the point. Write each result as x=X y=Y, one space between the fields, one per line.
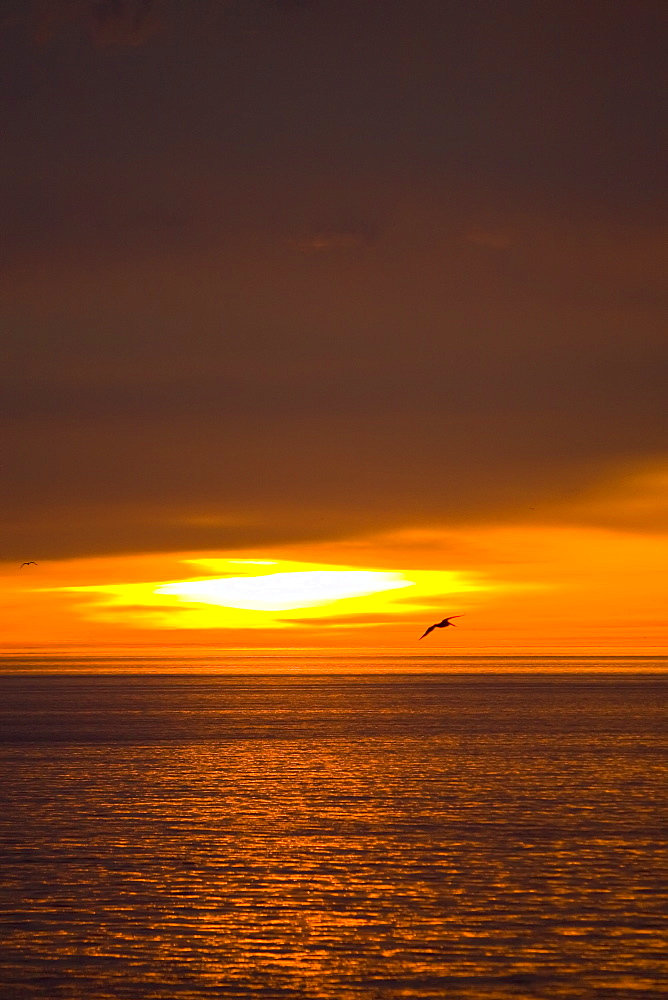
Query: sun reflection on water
x=332 y=838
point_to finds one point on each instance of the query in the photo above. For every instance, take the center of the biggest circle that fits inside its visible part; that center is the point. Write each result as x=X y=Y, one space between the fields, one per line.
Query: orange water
x=333 y=837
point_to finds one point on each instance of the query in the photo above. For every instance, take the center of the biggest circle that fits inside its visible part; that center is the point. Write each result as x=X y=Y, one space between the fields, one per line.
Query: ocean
x=481 y=834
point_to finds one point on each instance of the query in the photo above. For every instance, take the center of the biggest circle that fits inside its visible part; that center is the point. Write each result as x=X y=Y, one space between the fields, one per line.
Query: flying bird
x=443 y=624
x=30 y=563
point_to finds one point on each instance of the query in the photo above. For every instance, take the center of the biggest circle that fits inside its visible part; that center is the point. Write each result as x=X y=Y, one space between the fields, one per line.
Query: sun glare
x=285 y=591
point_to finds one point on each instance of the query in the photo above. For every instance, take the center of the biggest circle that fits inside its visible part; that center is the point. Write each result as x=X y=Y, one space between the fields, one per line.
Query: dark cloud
x=124 y=22
x=132 y=22
x=381 y=265
x=108 y=22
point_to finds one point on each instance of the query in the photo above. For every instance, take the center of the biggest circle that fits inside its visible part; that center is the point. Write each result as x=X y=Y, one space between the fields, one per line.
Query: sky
x=323 y=319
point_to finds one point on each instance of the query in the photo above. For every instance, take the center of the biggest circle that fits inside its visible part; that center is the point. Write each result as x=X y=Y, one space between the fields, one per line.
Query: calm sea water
x=407 y=836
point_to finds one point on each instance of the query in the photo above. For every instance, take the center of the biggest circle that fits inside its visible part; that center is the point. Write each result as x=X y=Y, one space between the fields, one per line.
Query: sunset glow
x=519 y=588
x=344 y=330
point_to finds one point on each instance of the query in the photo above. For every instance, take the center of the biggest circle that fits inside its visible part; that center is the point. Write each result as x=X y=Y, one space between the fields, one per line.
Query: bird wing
x=451 y=617
x=430 y=629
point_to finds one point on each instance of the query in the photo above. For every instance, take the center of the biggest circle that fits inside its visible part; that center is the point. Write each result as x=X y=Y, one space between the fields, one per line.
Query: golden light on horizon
x=290 y=596
x=541 y=588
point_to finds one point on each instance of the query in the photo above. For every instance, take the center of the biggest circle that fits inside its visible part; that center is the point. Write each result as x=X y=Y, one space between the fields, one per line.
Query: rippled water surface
x=335 y=837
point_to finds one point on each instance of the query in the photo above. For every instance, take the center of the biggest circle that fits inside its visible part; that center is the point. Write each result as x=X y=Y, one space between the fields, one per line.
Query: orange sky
x=526 y=588
x=333 y=288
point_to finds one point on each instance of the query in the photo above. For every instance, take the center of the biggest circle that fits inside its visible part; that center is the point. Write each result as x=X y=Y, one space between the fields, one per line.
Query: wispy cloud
x=109 y=22
x=328 y=240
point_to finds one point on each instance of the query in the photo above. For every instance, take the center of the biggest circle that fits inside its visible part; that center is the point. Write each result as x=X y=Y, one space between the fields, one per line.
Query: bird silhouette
x=443 y=624
x=30 y=563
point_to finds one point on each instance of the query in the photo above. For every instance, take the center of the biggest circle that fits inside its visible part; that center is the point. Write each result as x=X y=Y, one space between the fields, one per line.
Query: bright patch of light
x=285 y=591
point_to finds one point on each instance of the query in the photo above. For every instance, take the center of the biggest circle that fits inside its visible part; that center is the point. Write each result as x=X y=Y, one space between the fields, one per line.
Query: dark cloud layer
x=107 y=22
x=296 y=271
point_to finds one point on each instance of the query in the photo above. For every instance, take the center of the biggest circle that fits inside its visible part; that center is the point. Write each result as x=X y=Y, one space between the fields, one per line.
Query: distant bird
x=31 y=563
x=443 y=624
